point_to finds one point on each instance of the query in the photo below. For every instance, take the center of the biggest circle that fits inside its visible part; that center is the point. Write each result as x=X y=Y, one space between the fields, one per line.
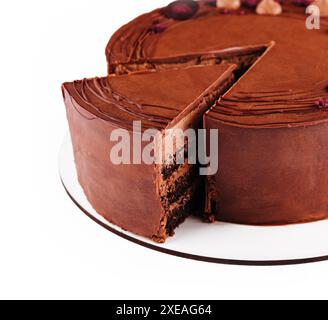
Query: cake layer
x=243 y=57
x=177 y=184
x=183 y=208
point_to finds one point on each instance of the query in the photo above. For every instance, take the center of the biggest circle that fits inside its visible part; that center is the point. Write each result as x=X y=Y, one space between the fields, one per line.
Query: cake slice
x=151 y=200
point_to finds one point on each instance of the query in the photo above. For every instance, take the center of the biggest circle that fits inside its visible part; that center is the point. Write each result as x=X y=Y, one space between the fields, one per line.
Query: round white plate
x=219 y=242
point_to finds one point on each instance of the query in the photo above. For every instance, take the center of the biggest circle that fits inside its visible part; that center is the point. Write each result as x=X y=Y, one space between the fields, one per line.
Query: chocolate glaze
x=282 y=87
x=155 y=98
x=271 y=175
x=125 y=195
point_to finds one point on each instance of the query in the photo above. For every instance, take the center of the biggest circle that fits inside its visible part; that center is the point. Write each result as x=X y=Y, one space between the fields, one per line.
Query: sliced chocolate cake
x=255 y=71
x=147 y=199
x=273 y=123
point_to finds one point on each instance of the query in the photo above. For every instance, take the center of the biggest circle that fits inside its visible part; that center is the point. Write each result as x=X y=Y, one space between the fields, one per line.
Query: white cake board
x=223 y=243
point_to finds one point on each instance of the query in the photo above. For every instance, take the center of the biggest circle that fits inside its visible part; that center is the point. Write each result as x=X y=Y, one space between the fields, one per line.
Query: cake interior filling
x=243 y=57
x=180 y=187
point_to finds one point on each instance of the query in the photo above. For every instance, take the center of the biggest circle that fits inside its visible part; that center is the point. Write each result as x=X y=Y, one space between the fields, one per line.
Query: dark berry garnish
x=181 y=9
x=250 y=3
x=157 y=28
x=322 y=104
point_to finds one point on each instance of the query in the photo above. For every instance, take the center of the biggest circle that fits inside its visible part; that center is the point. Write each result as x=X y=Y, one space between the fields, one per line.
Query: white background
x=48 y=249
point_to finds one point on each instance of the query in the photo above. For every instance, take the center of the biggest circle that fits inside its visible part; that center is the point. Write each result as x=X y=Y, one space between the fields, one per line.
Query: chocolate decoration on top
x=228 y=4
x=269 y=7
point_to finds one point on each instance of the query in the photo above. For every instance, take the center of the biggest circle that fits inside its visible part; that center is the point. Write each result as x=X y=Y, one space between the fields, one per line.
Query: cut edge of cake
x=180 y=188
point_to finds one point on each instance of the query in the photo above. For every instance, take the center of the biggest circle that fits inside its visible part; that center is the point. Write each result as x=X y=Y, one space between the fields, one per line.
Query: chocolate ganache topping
x=155 y=98
x=279 y=90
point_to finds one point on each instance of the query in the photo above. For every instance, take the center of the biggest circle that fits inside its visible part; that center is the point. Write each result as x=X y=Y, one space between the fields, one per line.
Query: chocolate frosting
x=280 y=90
x=155 y=98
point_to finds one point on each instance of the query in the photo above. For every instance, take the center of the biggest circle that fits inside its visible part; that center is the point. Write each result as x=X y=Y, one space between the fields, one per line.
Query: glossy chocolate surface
x=279 y=91
x=155 y=98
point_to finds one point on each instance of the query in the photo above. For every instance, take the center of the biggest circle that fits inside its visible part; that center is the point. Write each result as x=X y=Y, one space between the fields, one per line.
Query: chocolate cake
x=254 y=72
